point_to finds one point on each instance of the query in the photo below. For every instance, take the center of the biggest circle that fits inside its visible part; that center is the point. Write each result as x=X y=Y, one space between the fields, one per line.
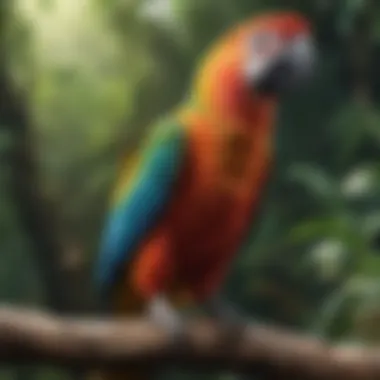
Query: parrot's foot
x=234 y=321
x=166 y=316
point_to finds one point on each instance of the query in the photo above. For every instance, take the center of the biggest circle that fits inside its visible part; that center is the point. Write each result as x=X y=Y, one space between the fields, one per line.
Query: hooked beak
x=290 y=69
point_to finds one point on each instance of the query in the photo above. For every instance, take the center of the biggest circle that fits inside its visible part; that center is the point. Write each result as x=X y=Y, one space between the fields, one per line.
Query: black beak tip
x=287 y=73
x=275 y=80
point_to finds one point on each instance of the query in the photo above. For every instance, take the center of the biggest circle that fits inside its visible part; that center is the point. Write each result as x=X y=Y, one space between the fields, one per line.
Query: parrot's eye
x=264 y=43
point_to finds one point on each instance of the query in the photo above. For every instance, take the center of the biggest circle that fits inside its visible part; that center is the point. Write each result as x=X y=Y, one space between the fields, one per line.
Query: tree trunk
x=66 y=285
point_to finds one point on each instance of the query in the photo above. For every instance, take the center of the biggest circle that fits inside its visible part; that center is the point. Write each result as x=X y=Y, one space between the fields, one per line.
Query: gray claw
x=226 y=313
x=165 y=315
x=234 y=322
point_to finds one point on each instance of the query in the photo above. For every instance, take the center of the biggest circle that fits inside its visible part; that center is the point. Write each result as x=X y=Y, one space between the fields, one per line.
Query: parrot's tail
x=125 y=303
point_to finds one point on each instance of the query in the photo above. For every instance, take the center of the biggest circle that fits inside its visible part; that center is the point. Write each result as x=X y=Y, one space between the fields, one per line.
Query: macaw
x=181 y=213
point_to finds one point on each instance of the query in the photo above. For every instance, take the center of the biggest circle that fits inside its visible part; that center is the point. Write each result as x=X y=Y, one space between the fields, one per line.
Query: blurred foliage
x=98 y=72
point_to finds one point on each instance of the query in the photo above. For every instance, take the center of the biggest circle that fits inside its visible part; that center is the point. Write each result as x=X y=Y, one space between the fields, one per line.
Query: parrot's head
x=255 y=62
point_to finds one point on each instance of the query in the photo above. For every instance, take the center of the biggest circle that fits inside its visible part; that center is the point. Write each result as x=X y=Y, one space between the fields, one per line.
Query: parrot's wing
x=140 y=203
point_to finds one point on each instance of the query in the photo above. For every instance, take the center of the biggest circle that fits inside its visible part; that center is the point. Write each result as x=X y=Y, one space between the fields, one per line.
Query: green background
x=80 y=84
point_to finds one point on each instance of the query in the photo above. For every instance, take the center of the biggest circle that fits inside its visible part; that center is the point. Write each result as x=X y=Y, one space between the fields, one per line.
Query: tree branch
x=32 y=337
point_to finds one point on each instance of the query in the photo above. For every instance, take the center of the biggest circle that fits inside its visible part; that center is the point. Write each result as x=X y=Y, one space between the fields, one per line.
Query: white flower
x=327 y=255
x=358 y=183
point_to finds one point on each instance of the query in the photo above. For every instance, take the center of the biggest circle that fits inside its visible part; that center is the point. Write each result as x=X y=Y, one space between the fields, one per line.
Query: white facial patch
x=262 y=48
x=303 y=49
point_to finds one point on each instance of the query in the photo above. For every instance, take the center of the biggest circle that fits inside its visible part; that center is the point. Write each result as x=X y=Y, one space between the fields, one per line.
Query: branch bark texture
x=34 y=337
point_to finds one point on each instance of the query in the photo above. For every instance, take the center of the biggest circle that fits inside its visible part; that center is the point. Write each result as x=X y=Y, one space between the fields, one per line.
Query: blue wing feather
x=130 y=220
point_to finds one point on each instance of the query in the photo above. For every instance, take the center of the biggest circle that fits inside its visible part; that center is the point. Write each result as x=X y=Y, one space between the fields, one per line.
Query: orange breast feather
x=206 y=221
